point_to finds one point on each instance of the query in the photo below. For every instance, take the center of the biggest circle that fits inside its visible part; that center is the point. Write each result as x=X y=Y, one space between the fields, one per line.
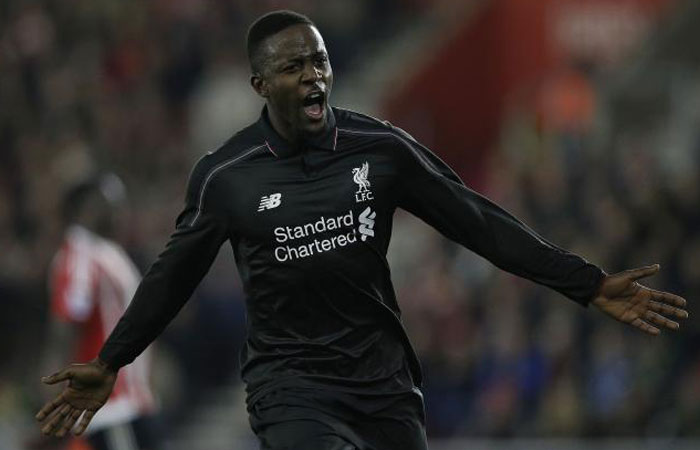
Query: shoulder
x=349 y=121
x=346 y=118
x=355 y=123
x=239 y=147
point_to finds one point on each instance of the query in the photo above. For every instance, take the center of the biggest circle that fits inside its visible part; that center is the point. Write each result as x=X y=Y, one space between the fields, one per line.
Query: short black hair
x=267 y=25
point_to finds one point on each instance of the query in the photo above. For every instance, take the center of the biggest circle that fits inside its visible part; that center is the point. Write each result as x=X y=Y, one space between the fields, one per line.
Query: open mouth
x=313 y=105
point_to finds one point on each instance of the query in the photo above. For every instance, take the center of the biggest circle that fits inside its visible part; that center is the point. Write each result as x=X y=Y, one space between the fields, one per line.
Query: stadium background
x=581 y=117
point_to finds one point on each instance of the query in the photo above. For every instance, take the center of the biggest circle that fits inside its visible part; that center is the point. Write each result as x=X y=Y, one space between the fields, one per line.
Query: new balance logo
x=270 y=201
x=366 y=220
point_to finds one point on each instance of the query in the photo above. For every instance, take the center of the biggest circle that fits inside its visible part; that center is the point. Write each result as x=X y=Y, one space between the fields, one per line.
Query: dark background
x=581 y=117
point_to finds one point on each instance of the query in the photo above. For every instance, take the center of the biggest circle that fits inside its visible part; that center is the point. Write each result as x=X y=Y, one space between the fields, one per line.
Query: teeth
x=316 y=97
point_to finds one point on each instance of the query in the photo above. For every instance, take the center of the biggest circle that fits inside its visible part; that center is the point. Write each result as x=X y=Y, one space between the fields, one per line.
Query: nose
x=311 y=73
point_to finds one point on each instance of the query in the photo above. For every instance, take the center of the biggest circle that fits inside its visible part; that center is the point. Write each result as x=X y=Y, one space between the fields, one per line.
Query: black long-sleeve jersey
x=310 y=227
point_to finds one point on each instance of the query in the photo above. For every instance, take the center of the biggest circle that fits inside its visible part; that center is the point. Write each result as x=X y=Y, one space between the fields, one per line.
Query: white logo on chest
x=270 y=201
x=366 y=220
x=359 y=176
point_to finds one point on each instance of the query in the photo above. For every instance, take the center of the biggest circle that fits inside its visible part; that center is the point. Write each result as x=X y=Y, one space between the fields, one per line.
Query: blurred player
x=92 y=281
x=306 y=197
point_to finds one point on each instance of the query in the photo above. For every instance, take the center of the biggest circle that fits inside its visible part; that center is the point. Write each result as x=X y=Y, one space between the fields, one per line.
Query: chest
x=320 y=190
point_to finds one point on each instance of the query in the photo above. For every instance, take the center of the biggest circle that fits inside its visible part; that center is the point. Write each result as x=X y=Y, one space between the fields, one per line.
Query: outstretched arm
x=168 y=284
x=623 y=298
x=433 y=192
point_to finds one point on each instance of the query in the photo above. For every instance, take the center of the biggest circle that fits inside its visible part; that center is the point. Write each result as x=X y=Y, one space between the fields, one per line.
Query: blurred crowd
x=142 y=88
x=504 y=357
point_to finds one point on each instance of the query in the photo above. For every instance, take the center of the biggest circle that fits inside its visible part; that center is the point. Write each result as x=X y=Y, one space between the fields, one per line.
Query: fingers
x=57 y=377
x=668 y=310
x=69 y=422
x=659 y=320
x=49 y=407
x=666 y=297
x=56 y=419
x=61 y=422
x=642 y=272
x=84 y=422
x=645 y=327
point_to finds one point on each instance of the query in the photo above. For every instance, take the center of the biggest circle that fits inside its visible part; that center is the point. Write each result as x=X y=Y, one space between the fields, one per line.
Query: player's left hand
x=623 y=298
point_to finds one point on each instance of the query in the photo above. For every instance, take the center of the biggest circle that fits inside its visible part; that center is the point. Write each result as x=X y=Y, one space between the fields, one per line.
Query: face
x=295 y=80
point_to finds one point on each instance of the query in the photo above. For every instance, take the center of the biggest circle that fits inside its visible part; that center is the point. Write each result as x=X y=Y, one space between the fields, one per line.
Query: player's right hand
x=89 y=387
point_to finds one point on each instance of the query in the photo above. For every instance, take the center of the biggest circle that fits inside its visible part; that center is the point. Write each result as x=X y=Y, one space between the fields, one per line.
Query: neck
x=283 y=128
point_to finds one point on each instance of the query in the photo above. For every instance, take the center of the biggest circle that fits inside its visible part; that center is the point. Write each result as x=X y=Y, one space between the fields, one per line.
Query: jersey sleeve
x=435 y=194
x=72 y=284
x=200 y=231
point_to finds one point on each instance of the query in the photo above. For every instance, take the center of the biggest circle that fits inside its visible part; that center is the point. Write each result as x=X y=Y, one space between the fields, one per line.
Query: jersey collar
x=327 y=140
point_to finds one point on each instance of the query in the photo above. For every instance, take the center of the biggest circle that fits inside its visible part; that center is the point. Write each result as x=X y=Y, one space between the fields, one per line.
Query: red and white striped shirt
x=92 y=281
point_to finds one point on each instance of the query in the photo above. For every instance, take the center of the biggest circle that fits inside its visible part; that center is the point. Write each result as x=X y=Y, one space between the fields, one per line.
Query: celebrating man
x=306 y=197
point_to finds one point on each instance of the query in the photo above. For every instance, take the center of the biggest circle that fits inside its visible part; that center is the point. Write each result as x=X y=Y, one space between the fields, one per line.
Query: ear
x=259 y=85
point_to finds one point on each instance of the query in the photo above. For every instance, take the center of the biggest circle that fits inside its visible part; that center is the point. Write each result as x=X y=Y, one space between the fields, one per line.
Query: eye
x=290 y=68
x=321 y=60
